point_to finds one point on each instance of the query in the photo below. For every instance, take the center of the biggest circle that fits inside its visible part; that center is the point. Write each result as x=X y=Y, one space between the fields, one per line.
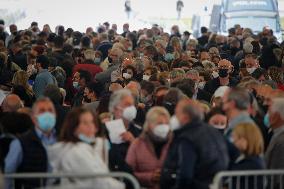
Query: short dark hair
x=53 y=93
x=204 y=29
x=214 y=111
x=51 y=37
x=43 y=61
x=240 y=96
x=85 y=41
x=148 y=86
x=187 y=86
x=2 y=22
x=85 y=75
x=71 y=123
x=58 y=42
x=34 y=24
x=95 y=87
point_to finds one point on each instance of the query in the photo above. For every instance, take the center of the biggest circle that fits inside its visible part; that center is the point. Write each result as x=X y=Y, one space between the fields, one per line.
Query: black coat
x=196 y=154
x=248 y=163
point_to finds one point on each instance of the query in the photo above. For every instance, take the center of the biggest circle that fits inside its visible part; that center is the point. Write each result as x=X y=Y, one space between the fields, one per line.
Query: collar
x=278 y=131
x=41 y=135
x=43 y=70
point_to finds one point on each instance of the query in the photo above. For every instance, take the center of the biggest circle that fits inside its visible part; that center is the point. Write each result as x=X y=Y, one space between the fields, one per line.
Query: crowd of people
x=171 y=110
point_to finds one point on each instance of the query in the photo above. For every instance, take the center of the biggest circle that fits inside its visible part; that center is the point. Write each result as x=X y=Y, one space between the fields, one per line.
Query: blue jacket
x=43 y=78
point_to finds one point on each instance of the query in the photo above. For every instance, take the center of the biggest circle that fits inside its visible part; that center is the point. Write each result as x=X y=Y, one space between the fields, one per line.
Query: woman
x=248 y=139
x=217 y=118
x=148 y=152
x=76 y=153
x=22 y=78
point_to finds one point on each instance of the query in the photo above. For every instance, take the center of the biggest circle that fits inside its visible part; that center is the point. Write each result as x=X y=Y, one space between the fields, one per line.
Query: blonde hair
x=153 y=114
x=251 y=133
x=21 y=78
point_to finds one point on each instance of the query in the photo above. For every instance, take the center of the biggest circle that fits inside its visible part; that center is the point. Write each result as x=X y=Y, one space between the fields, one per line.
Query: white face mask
x=219 y=126
x=174 y=123
x=215 y=74
x=129 y=113
x=146 y=77
x=201 y=84
x=126 y=76
x=251 y=70
x=161 y=131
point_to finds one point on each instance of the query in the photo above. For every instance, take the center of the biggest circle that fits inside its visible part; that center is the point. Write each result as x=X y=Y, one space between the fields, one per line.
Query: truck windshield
x=257 y=23
x=240 y=5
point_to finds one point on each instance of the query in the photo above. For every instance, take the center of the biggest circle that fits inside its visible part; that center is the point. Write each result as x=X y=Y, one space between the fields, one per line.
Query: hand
x=156 y=176
x=127 y=137
x=141 y=105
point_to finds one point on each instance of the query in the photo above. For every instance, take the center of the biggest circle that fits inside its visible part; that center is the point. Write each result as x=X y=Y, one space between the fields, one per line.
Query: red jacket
x=141 y=157
x=92 y=68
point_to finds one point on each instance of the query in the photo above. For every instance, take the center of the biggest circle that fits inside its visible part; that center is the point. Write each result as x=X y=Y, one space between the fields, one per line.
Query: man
x=204 y=55
x=54 y=94
x=92 y=94
x=193 y=159
x=114 y=57
x=18 y=57
x=28 y=153
x=236 y=102
x=122 y=106
x=57 y=51
x=14 y=32
x=198 y=94
x=125 y=29
x=275 y=151
x=185 y=38
x=104 y=45
x=44 y=77
x=251 y=62
x=80 y=80
x=203 y=40
x=180 y=5
x=224 y=69
x=88 y=64
x=11 y=103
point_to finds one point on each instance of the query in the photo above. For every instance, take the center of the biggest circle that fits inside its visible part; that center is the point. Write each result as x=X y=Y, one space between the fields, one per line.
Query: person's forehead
x=44 y=105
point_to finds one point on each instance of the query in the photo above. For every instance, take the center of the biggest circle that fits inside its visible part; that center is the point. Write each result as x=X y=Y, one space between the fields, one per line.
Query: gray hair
x=240 y=96
x=278 y=106
x=193 y=72
x=194 y=111
x=248 y=48
x=39 y=100
x=153 y=114
x=116 y=98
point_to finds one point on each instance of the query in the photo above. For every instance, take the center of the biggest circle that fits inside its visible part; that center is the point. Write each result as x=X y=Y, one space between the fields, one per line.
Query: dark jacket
x=212 y=85
x=196 y=154
x=104 y=48
x=34 y=159
x=248 y=163
x=117 y=153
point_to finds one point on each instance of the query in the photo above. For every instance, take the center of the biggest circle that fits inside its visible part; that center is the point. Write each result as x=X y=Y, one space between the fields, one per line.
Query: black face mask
x=87 y=100
x=109 y=59
x=223 y=73
x=15 y=33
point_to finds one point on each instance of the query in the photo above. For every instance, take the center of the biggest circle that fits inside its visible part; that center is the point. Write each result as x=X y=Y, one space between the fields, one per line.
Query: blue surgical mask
x=169 y=57
x=46 y=121
x=266 y=120
x=86 y=139
x=97 y=61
